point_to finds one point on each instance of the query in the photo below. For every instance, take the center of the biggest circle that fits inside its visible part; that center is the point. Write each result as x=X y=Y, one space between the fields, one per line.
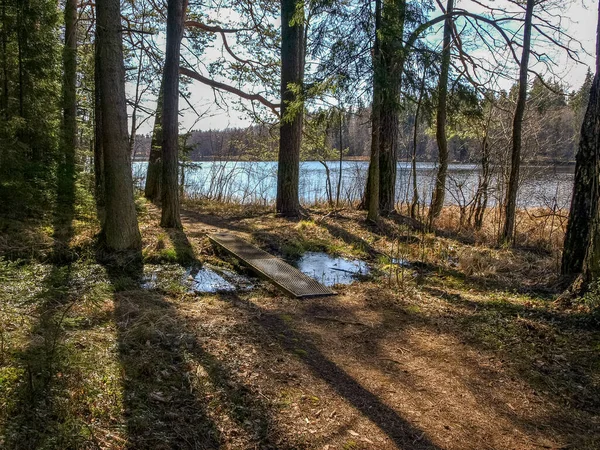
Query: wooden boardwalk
x=278 y=272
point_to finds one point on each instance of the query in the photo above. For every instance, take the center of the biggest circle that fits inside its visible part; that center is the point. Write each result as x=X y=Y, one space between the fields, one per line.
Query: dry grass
x=462 y=349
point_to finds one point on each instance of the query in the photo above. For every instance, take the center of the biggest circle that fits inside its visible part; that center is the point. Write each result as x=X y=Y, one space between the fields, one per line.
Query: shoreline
x=540 y=164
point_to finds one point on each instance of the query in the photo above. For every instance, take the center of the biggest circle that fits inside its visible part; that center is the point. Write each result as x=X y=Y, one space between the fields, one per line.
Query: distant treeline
x=552 y=128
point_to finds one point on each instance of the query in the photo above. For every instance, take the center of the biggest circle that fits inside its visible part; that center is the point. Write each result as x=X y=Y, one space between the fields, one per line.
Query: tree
x=388 y=66
x=415 y=194
x=170 y=116
x=372 y=190
x=30 y=103
x=510 y=205
x=392 y=66
x=582 y=243
x=290 y=130
x=152 y=189
x=439 y=192
x=120 y=229
x=99 y=190
x=70 y=88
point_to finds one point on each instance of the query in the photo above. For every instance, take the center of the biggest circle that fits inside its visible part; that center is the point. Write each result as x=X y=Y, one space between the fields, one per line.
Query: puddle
x=330 y=270
x=149 y=281
x=400 y=262
x=209 y=281
x=206 y=279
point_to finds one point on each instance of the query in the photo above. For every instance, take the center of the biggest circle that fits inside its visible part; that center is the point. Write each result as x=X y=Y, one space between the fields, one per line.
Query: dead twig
x=345 y=322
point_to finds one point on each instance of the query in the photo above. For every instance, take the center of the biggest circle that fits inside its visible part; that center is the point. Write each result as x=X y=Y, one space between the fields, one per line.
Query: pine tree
x=120 y=228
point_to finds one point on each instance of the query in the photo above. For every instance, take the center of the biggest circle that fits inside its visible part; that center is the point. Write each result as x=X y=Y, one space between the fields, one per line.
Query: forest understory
x=462 y=347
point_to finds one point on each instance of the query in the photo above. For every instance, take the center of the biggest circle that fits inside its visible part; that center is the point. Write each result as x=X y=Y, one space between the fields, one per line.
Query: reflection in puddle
x=209 y=281
x=330 y=270
x=401 y=262
x=206 y=279
x=149 y=281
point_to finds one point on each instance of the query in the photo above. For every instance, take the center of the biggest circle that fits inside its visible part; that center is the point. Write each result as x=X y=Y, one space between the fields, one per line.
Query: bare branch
x=225 y=87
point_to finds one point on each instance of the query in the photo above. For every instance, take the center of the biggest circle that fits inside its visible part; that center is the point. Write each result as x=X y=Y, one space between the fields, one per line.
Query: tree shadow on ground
x=525 y=344
x=233 y=223
x=551 y=351
x=531 y=329
x=37 y=406
x=162 y=409
x=400 y=431
x=183 y=249
x=350 y=239
x=543 y=289
x=174 y=388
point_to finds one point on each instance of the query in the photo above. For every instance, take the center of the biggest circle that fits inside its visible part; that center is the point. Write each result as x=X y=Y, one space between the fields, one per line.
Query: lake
x=255 y=182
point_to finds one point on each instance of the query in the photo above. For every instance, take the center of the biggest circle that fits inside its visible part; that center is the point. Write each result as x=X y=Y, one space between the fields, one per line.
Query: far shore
x=554 y=164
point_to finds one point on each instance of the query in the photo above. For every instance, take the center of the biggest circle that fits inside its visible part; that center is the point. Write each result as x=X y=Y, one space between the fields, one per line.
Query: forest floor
x=464 y=347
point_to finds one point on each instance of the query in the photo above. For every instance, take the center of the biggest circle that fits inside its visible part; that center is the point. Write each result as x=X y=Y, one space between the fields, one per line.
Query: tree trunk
x=154 y=171
x=120 y=230
x=21 y=42
x=170 y=117
x=137 y=96
x=290 y=134
x=480 y=200
x=70 y=88
x=415 y=196
x=388 y=151
x=98 y=147
x=482 y=191
x=4 y=95
x=4 y=98
x=437 y=202
x=388 y=58
x=513 y=182
x=372 y=189
x=582 y=228
x=341 y=160
x=392 y=56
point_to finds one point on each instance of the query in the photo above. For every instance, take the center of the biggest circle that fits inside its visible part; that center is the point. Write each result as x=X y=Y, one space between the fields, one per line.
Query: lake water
x=255 y=182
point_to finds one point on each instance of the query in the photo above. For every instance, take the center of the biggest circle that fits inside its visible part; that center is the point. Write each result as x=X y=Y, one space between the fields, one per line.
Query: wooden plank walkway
x=278 y=272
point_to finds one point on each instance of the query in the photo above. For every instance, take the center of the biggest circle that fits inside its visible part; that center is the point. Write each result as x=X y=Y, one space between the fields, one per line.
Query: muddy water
x=331 y=270
x=207 y=279
x=211 y=280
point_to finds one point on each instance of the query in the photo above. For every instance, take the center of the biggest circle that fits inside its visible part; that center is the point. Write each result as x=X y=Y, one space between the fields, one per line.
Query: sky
x=579 y=19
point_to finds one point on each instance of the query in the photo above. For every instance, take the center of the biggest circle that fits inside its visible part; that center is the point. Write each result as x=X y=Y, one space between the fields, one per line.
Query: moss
x=168 y=255
x=301 y=352
x=286 y=318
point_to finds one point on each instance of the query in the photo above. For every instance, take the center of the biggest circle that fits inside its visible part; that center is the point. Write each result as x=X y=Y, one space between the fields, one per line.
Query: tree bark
x=152 y=189
x=341 y=159
x=21 y=42
x=513 y=182
x=70 y=88
x=388 y=58
x=290 y=134
x=372 y=189
x=482 y=192
x=388 y=151
x=437 y=202
x=582 y=228
x=120 y=230
x=170 y=117
x=393 y=58
x=98 y=146
x=415 y=197
x=4 y=98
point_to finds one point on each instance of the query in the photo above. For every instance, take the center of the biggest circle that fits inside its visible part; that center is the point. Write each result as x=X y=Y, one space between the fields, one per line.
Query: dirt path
x=455 y=351
x=374 y=367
